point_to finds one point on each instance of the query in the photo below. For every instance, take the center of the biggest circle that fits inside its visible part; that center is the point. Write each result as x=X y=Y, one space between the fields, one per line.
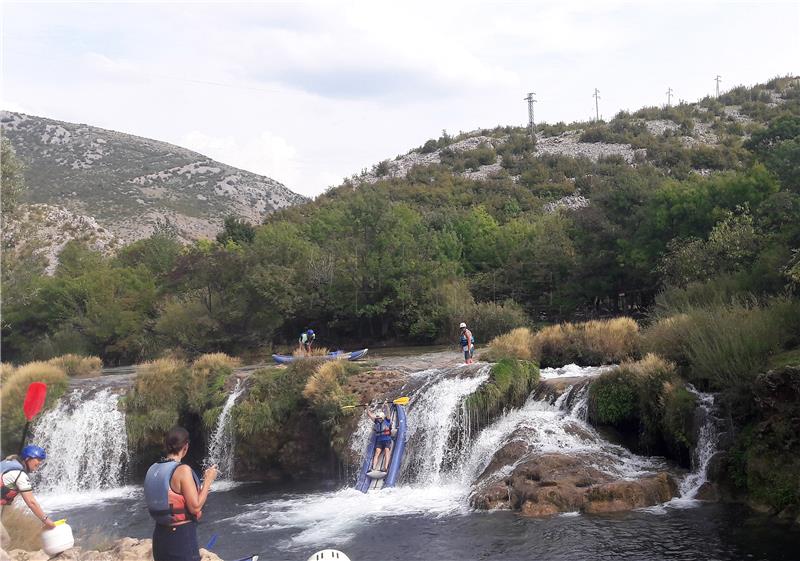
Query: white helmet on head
x=329 y=555
x=380 y=413
x=462 y=325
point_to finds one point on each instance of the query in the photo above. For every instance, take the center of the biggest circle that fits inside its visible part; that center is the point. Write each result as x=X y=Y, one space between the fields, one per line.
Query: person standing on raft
x=467 y=343
x=175 y=500
x=383 y=441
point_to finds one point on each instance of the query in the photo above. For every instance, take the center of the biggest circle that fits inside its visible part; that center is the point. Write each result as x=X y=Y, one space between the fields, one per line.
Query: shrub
x=6 y=371
x=155 y=403
x=517 y=343
x=14 y=390
x=613 y=400
x=324 y=391
x=76 y=366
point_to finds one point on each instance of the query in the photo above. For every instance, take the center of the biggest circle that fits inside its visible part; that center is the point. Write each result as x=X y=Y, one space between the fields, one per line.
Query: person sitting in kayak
x=307 y=339
x=16 y=481
x=383 y=442
x=467 y=343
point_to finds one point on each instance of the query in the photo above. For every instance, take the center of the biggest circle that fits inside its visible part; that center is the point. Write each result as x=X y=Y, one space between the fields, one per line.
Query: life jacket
x=165 y=506
x=464 y=339
x=8 y=494
x=383 y=429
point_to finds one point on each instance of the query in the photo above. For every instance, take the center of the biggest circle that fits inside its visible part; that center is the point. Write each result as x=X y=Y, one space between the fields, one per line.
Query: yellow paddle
x=398 y=401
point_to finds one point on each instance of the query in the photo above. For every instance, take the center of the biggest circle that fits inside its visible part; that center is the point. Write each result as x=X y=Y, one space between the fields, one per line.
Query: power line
x=596 y=104
x=531 y=124
x=669 y=97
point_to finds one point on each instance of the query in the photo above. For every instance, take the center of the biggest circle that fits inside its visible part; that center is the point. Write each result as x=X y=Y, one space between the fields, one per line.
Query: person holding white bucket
x=15 y=480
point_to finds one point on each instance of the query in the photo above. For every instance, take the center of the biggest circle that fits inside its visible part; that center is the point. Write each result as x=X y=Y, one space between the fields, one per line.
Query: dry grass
x=299 y=352
x=76 y=366
x=517 y=343
x=589 y=343
x=206 y=380
x=12 y=396
x=24 y=529
x=649 y=366
x=6 y=371
x=666 y=337
x=215 y=362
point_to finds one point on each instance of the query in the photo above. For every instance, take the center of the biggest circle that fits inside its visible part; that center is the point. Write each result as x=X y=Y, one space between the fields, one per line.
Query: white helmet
x=329 y=554
x=380 y=414
x=462 y=325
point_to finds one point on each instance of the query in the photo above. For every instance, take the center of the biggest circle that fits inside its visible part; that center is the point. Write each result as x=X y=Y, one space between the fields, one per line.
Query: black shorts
x=380 y=445
x=176 y=543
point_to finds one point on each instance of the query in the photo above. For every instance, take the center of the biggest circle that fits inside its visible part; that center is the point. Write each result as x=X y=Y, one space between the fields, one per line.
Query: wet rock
x=708 y=491
x=507 y=455
x=626 y=495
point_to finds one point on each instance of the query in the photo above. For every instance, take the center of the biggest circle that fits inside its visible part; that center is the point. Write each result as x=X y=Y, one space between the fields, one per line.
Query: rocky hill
x=699 y=138
x=130 y=184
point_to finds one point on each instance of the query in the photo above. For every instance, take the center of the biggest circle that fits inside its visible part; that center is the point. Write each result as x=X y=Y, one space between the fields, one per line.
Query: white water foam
x=222 y=444
x=574 y=371
x=86 y=443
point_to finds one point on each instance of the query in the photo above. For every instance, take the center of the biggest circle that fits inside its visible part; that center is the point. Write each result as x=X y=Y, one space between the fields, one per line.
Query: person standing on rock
x=175 y=499
x=467 y=343
x=15 y=481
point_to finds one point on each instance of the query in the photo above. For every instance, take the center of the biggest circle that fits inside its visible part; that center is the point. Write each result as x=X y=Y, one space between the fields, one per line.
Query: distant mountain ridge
x=131 y=184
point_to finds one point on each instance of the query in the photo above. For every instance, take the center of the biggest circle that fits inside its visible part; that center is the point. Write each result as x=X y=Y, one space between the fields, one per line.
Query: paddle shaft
x=398 y=401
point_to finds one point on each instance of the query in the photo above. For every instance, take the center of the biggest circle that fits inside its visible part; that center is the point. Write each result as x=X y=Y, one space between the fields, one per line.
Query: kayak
x=371 y=480
x=335 y=355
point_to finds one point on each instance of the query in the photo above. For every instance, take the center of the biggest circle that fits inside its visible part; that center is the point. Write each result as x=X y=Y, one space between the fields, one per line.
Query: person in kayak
x=307 y=339
x=16 y=480
x=467 y=343
x=175 y=500
x=383 y=442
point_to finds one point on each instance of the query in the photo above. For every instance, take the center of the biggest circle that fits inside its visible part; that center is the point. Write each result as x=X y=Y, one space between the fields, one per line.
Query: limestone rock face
x=125 y=549
x=553 y=483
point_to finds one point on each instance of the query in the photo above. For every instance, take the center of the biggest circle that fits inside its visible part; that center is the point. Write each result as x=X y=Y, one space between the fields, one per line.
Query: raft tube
x=368 y=481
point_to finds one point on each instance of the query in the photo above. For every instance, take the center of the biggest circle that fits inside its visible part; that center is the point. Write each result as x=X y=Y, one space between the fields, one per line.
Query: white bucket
x=58 y=539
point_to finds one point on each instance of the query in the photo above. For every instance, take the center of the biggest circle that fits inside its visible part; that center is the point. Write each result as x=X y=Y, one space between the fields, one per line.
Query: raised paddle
x=398 y=401
x=34 y=401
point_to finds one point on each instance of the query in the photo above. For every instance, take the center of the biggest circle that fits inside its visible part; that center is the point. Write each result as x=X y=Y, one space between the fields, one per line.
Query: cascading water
x=222 y=443
x=706 y=445
x=86 y=443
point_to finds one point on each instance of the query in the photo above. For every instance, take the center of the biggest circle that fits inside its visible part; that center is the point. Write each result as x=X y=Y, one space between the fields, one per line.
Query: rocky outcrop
x=125 y=549
x=550 y=484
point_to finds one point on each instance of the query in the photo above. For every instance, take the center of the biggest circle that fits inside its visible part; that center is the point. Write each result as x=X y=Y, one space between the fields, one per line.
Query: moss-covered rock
x=646 y=401
x=764 y=461
x=510 y=383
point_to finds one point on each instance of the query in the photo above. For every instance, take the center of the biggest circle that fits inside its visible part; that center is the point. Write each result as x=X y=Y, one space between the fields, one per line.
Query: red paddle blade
x=34 y=399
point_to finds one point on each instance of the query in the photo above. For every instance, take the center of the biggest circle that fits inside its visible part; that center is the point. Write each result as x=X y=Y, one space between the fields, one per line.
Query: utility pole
x=669 y=97
x=531 y=124
x=596 y=104
x=718 y=79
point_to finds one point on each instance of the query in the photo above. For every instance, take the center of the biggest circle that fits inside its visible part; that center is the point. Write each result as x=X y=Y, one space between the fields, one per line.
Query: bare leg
x=375 y=457
x=388 y=455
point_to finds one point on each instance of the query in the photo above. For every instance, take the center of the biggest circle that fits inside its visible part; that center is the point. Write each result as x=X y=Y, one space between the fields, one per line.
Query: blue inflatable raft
x=369 y=480
x=335 y=355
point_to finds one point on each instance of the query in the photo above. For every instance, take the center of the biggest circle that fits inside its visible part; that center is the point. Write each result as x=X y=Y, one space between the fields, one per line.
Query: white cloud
x=265 y=154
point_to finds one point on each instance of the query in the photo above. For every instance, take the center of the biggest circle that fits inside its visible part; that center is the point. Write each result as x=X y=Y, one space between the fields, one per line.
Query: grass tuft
x=77 y=366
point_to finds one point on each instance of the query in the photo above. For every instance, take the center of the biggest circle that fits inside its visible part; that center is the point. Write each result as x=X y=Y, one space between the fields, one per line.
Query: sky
x=309 y=93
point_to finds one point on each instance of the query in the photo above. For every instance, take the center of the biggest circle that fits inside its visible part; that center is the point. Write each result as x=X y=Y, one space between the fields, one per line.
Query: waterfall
x=86 y=443
x=222 y=443
x=707 y=441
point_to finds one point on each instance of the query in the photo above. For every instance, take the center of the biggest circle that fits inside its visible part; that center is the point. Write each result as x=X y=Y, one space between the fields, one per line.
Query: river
x=427 y=517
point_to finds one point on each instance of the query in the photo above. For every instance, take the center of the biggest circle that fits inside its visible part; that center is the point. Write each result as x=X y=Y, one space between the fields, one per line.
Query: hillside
x=700 y=138
x=130 y=184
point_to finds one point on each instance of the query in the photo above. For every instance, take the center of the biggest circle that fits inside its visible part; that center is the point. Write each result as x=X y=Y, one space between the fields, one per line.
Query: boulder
x=124 y=549
x=624 y=495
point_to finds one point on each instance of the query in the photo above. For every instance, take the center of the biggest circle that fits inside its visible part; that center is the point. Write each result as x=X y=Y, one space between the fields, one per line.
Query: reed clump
x=517 y=343
x=326 y=394
x=77 y=366
x=13 y=393
x=509 y=384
